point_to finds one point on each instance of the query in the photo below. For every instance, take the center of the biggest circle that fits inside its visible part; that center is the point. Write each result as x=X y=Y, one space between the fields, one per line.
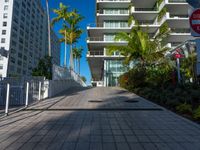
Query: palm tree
x=49 y=28
x=140 y=46
x=77 y=54
x=61 y=15
x=72 y=31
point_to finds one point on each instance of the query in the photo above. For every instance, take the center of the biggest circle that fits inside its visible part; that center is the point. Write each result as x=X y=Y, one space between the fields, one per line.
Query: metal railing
x=180 y=30
x=106 y=26
x=179 y=16
x=16 y=93
x=178 y=1
x=145 y=9
x=114 y=12
x=96 y=53
x=102 y=39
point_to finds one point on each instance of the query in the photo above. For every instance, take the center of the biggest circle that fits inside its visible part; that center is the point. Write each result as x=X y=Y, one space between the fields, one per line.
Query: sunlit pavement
x=98 y=119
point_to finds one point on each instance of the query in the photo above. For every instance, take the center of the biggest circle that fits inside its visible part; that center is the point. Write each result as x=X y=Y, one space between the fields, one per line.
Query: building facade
x=24 y=36
x=112 y=16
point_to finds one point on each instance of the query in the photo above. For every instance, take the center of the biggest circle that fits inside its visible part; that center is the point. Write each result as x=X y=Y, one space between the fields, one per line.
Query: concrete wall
x=52 y=88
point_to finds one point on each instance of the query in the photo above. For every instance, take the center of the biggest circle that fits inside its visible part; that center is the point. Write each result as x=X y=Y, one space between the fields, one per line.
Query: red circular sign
x=195 y=21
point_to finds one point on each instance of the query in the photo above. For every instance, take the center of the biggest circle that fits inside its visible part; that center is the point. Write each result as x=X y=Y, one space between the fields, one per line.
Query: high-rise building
x=24 y=36
x=112 y=16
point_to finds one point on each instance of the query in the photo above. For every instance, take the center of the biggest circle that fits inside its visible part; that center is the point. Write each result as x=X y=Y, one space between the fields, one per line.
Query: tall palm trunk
x=71 y=58
x=79 y=65
x=49 y=28
x=65 y=53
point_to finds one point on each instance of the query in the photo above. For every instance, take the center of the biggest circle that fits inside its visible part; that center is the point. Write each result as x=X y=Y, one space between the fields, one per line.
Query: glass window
x=5 y=15
x=1 y=66
x=3 y=32
x=4 y=24
x=6 y=7
x=3 y=40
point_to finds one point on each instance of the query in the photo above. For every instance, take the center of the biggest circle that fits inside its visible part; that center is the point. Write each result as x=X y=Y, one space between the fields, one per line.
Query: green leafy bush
x=133 y=78
x=196 y=114
x=184 y=108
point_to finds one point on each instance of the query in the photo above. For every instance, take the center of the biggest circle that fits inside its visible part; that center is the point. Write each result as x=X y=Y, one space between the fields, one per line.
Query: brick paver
x=53 y=124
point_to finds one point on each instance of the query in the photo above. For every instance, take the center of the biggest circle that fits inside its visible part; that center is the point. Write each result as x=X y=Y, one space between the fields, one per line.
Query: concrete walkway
x=98 y=119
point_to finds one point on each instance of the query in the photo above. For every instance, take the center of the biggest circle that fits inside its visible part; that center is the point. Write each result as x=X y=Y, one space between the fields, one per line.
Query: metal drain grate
x=131 y=101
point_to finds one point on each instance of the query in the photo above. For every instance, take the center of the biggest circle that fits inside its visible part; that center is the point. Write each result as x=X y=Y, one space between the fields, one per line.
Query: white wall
x=52 y=88
x=6 y=45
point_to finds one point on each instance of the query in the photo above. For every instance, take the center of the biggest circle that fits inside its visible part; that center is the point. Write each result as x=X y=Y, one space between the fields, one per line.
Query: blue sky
x=87 y=9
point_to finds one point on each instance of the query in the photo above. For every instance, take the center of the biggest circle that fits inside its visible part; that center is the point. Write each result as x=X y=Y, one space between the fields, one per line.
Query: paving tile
x=136 y=146
x=68 y=146
x=98 y=130
x=82 y=146
x=109 y=146
x=96 y=146
x=122 y=146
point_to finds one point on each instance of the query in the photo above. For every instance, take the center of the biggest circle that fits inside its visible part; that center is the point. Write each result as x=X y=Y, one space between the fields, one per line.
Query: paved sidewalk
x=98 y=119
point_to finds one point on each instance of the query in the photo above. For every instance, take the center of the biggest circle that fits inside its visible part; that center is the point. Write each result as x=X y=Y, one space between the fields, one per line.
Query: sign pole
x=178 y=70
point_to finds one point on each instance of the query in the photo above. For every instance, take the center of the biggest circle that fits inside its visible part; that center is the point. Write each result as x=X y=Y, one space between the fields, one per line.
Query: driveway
x=98 y=119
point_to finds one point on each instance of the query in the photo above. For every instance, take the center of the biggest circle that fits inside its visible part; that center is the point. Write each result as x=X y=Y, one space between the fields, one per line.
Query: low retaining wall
x=52 y=88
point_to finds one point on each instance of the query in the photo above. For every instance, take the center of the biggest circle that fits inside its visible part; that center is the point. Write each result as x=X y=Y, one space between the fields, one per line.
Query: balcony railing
x=180 y=31
x=102 y=39
x=107 y=26
x=113 y=12
x=177 y=1
x=145 y=9
x=179 y=16
x=96 y=53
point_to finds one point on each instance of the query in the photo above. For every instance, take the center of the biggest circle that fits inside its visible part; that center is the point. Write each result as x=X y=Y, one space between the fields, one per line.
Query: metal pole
x=49 y=28
x=27 y=93
x=178 y=70
x=7 y=99
x=40 y=85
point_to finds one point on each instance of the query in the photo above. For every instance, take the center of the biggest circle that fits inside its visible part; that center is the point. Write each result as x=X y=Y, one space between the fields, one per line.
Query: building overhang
x=144 y=3
x=96 y=64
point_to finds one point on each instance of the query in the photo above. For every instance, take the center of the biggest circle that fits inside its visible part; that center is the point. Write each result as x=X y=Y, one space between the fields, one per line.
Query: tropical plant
x=184 y=108
x=84 y=79
x=140 y=47
x=71 y=32
x=44 y=68
x=196 y=114
x=188 y=67
x=77 y=54
x=61 y=15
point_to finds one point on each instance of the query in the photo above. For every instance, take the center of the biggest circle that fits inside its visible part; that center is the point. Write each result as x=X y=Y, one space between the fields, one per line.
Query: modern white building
x=112 y=16
x=24 y=36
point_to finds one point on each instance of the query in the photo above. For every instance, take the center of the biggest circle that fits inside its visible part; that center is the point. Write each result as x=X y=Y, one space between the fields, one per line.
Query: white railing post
x=27 y=94
x=7 y=99
x=40 y=85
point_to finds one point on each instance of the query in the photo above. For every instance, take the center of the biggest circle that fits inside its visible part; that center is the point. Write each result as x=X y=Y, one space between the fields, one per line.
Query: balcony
x=101 y=42
x=177 y=1
x=108 y=26
x=113 y=11
x=113 y=3
x=95 y=53
x=182 y=31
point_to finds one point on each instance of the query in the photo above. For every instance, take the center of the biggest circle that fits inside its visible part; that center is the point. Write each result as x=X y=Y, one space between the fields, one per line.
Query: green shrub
x=196 y=114
x=184 y=108
x=133 y=78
